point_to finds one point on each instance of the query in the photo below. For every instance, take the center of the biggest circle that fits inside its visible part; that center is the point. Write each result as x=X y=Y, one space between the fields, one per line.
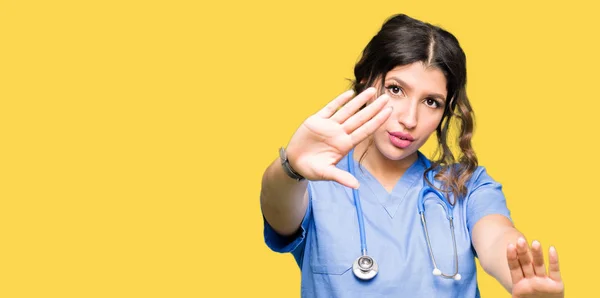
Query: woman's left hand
x=528 y=271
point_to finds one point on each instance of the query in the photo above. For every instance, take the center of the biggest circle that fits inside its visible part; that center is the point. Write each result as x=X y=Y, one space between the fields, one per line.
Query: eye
x=430 y=102
x=395 y=90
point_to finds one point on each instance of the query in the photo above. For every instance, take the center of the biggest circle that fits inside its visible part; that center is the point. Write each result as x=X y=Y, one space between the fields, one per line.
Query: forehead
x=419 y=77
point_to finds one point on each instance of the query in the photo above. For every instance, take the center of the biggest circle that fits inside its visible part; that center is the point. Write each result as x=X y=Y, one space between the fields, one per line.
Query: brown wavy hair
x=403 y=40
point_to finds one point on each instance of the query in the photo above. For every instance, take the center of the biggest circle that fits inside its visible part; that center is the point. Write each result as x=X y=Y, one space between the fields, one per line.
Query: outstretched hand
x=327 y=136
x=528 y=272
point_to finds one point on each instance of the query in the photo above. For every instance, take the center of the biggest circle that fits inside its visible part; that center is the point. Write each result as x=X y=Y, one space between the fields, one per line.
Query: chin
x=392 y=152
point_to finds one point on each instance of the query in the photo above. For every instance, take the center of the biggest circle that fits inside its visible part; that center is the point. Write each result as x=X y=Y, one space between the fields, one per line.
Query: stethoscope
x=365 y=267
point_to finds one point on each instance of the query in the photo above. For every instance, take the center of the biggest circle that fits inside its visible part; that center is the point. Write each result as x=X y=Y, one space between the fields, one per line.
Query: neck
x=386 y=170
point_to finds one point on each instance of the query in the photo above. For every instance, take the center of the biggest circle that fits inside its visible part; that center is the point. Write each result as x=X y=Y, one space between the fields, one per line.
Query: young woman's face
x=418 y=96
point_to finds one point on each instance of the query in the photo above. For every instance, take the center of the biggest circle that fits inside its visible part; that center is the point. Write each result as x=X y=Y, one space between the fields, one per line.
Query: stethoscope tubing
x=359 y=214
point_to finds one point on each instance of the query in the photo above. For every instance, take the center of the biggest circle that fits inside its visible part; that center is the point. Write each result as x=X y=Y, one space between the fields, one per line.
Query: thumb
x=340 y=176
x=554 y=270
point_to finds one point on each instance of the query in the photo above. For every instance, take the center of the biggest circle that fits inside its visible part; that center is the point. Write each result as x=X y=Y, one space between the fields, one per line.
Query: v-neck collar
x=391 y=200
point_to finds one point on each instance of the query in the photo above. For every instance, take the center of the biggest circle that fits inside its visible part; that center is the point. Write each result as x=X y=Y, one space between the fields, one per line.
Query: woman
x=409 y=83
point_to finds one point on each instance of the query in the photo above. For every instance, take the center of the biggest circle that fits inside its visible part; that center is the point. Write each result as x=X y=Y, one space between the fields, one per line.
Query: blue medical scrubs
x=329 y=241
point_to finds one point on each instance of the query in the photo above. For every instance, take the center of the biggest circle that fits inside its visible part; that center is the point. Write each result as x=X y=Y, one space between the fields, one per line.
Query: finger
x=538 y=259
x=368 y=128
x=340 y=176
x=525 y=258
x=365 y=114
x=553 y=268
x=513 y=263
x=351 y=107
x=335 y=104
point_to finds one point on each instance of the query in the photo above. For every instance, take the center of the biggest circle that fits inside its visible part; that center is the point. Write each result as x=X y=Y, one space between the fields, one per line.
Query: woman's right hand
x=327 y=136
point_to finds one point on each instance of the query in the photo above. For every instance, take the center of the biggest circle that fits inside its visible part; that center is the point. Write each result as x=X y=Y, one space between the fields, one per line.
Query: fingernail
x=521 y=241
x=535 y=243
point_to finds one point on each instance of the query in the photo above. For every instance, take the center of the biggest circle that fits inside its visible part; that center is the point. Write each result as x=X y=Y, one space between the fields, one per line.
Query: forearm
x=283 y=200
x=495 y=262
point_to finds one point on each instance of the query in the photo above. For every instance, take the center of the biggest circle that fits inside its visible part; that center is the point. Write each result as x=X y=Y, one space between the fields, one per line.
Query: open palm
x=528 y=271
x=327 y=136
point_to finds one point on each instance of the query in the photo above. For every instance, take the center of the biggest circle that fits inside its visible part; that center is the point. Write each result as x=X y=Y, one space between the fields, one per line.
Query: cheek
x=429 y=120
x=433 y=124
x=387 y=124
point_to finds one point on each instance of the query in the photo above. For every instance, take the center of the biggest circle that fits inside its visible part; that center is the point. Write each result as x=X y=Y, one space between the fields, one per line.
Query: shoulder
x=480 y=177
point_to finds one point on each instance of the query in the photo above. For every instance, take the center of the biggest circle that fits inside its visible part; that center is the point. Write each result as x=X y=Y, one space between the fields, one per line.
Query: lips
x=402 y=136
x=400 y=139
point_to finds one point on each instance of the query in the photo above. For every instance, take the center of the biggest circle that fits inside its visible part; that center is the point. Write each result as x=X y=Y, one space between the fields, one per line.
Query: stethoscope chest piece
x=365 y=268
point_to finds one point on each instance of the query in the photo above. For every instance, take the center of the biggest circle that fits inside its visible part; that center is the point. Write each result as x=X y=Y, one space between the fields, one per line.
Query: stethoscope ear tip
x=457 y=277
x=437 y=272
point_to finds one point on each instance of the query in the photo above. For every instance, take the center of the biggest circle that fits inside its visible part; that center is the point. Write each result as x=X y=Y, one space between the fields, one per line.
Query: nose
x=408 y=115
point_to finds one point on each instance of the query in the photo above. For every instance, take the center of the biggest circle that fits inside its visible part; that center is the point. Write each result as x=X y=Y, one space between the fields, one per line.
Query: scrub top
x=328 y=241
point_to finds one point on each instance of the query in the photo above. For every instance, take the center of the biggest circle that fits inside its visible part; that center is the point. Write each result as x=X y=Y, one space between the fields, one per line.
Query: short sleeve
x=284 y=244
x=485 y=197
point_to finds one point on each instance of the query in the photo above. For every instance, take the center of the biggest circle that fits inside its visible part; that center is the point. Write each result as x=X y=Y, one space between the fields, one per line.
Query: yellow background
x=134 y=133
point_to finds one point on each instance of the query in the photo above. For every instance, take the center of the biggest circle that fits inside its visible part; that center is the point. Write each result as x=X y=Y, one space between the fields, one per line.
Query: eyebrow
x=401 y=82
